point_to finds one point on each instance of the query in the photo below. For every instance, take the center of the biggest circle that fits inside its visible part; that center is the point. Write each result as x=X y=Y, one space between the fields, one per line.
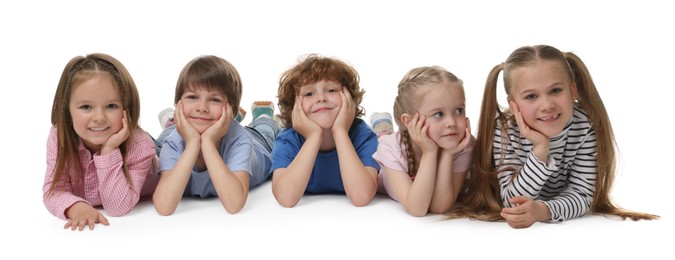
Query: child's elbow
x=118 y=212
x=233 y=207
x=233 y=210
x=416 y=212
x=361 y=200
x=162 y=207
x=442 y=210
x=286 y=198
x=164 y=211
x=286 y=201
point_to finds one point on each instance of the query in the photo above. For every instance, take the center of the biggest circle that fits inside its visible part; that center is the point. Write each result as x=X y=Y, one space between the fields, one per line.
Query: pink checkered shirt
x=103 y=182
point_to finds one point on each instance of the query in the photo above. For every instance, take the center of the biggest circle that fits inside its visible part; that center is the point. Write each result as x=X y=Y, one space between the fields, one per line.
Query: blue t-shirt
x=325 y=176
x=239 y=151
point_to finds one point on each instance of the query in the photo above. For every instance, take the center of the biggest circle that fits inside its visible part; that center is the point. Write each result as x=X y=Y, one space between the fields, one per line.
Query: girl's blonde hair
x=482 y=200
x=78 y=70
x=408 y=100
x=310 y=70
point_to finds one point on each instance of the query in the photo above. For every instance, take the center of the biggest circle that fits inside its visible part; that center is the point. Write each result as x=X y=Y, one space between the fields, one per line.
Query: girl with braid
x=97 y=155
x=424 y=164
x=551 y=156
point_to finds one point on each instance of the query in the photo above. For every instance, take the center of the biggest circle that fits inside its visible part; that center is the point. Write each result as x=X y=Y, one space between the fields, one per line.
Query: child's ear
x=575 y=94
x=405 y=118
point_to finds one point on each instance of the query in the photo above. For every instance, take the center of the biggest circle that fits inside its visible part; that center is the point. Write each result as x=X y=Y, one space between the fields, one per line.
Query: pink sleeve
x=462 y=161
x=62 y=197
x=389 y=153
x=117 y=197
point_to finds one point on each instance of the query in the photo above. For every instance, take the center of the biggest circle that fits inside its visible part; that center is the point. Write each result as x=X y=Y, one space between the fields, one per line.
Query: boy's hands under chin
x=346 y=114
x=183 y=126
x=219 y=129
x=301 y=123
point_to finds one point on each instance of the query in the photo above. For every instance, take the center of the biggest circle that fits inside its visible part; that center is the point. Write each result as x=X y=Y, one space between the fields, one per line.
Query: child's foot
x=165 y=118
x=381 y=123
x=241 y=114
x=262 y=108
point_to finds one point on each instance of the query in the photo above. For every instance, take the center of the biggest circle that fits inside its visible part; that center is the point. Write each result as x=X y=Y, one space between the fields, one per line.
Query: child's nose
x=99 y=115
x=202 y=106
x=546 y=103
x=321 y=97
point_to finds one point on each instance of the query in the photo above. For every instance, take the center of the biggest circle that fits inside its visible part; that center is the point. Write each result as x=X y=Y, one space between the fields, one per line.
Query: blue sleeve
x=236 y=149
x=286 y=146
x=365 y=143
x=173 y=147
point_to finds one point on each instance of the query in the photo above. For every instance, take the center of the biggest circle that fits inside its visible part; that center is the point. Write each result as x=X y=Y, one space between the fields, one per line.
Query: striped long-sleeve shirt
x=565 y=183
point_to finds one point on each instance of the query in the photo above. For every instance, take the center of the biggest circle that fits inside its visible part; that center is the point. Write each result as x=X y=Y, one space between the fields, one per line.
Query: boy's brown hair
x=213 y=74
x=310 y=70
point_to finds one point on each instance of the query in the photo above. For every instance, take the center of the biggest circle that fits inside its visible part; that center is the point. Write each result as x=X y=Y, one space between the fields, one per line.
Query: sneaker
x=241 y=114
x=262 y=108
x=165 y=118
x=381 y=123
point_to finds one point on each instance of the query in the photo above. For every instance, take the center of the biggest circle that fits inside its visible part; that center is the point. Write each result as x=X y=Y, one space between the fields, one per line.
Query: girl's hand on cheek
x=540 y=144
x=531 y=134
x=466 y=140
x=115 y=140
x=418 y=128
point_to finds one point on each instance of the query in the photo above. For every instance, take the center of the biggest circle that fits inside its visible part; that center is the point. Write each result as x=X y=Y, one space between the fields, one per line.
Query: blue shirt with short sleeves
x=325 y=176
x=239 y=151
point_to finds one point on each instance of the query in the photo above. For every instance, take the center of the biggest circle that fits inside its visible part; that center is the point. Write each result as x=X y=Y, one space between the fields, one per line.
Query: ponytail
x=589 y=99
x=480 y=200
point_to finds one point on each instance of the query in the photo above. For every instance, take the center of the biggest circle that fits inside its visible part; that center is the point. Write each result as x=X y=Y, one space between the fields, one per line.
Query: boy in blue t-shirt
x=326 y=147
x=204 y=153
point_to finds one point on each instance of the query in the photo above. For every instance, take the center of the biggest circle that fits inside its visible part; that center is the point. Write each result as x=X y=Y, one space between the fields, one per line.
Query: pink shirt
x=391 y=153
x=103 y=182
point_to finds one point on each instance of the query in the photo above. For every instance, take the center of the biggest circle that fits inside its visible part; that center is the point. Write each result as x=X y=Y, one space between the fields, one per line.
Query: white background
x=627 y=46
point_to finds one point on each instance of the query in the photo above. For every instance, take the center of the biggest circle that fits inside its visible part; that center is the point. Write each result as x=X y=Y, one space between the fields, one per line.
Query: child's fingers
x=425 y=131
x=82 y=224
x=91 y=224
x=519 y=200
x=68 y=224
x=103 y=220
x=347 y=97
x=519 y=117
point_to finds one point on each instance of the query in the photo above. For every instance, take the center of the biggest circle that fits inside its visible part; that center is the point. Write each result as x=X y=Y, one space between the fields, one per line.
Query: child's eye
x=191 y=97
x=308 y=94
x=332 y=90
x=112 y=106
x=531 y=96
x=216 y=100
x=438 y=114
x=85 y=107
x=459 y=111
x=556 y=91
